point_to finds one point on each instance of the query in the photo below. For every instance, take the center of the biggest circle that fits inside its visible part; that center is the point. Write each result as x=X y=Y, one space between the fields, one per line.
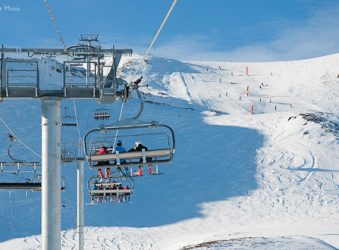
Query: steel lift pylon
x=95 y=85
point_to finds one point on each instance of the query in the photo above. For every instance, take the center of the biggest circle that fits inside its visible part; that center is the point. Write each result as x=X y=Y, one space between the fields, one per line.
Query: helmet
x=119 y=143
x=137 y=143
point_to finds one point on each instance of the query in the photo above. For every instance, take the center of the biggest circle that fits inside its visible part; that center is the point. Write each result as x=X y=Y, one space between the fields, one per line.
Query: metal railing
x=22 y=78
x=25 y=73
x=75 y=75
x=85 y=76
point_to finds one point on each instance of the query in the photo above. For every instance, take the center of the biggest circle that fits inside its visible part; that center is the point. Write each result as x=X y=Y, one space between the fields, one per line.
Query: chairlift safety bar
x=111 y=191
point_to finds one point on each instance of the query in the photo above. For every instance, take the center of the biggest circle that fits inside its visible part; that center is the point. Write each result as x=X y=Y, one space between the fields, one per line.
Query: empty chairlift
x=27 y=176
x=68 y=119
x=19 y=174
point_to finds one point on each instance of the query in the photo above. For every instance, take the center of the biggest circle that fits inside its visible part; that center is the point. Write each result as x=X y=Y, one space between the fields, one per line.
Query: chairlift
x=69 y=152
x=68 y=119
x=33 y=183
x=157 y=137
x=110 y=188
x=102 y=114
x=20 y=167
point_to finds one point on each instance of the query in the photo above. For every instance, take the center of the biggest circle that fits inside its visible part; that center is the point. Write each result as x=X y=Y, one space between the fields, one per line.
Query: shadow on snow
x=211 y=163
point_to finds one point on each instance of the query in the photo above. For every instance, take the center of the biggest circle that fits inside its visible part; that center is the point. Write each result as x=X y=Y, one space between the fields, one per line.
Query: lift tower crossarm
x=88 y=51
x=100 y=81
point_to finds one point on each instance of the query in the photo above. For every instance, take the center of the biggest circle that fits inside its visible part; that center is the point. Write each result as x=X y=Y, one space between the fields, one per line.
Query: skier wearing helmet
x=139 y=147
x=119 y=148
x=101 y=151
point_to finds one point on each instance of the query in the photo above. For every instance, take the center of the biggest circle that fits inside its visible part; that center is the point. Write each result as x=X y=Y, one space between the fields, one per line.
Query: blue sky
x=223 y=30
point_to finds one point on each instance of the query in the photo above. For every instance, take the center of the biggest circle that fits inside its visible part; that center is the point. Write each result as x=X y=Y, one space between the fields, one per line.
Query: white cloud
x=314 y=37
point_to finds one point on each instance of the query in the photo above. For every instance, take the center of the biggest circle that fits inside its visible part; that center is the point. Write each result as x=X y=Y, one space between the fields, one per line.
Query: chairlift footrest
x=157 y=173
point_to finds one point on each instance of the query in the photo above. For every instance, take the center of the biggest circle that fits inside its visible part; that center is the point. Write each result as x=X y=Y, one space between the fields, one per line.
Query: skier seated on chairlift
x=101 y=151
x=140 y=147
x=119 y=148
x=127 y=195
x=94 y=185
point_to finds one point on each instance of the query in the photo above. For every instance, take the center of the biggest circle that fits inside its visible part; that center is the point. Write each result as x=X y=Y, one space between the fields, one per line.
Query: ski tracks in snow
x=291 y=177
x=184 y=81
x=118 y=239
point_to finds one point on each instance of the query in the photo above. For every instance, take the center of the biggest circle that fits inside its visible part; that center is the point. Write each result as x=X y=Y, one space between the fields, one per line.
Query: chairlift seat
x=111 y=191
x=133 y=158
x=106 y=184
x=34 y=186
x=69 y=124
x=21 y=185
x=103 y=116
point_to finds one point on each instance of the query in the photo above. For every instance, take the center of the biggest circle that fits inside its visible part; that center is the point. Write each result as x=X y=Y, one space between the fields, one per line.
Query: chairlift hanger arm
x=10 y=154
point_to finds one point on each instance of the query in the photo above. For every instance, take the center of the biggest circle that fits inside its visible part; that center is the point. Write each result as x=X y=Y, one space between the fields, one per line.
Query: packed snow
x=256 y=163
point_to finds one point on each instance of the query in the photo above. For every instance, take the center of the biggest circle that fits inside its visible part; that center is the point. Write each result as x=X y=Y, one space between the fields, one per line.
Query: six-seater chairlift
x=160 y=142
x=116 y=187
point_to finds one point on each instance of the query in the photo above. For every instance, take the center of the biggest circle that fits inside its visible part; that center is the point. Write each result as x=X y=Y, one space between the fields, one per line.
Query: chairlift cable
x=12 y=133
x=160 y=28
x=119 y=119
x=49 y=10
x=145 y=55
x=157 y=33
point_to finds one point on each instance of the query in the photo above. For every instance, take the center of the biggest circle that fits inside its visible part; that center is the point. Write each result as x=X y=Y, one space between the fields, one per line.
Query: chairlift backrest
x=23 y=167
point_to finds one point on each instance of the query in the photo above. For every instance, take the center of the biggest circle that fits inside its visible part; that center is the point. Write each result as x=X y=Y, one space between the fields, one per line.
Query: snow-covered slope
x=261 y=179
